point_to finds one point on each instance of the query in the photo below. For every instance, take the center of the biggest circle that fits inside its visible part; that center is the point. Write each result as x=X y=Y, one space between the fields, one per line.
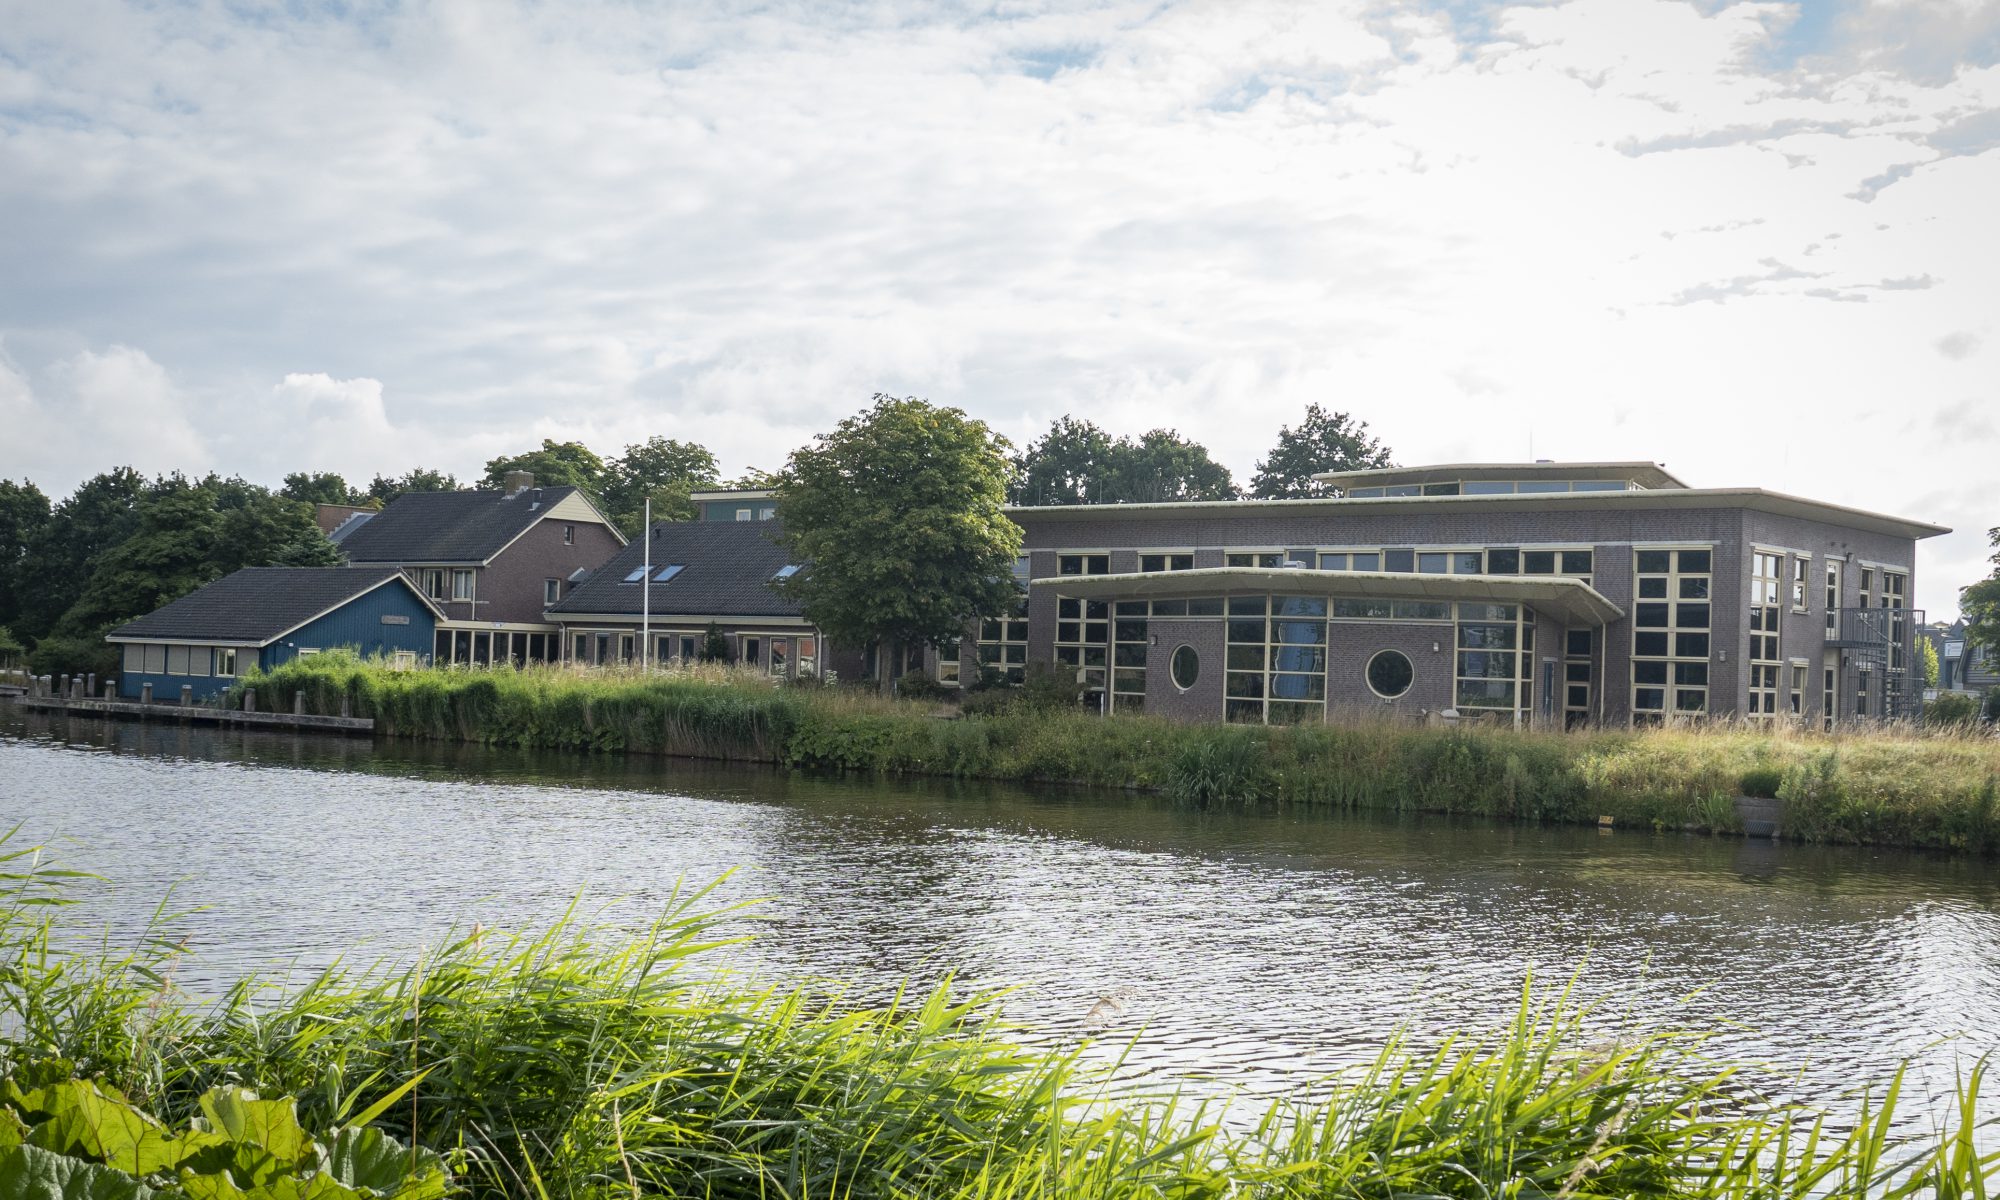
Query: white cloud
x=90 y=411
x=454 y=229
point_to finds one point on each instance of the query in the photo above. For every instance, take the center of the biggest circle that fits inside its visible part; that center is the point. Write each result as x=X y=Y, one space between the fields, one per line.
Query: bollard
x=70 y=692
x=298 y=704
x=346 y=705
x=187 y=695
x=249 y=699
x=146 y=693
x=90 y=684
x=44 y=687
x=110 y=691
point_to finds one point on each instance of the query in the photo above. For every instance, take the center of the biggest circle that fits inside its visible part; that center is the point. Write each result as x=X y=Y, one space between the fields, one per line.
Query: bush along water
x=566 y=1065
x=1906 y=788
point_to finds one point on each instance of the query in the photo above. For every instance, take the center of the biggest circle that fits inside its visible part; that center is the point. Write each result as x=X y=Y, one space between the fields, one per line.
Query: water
x=1258 y=950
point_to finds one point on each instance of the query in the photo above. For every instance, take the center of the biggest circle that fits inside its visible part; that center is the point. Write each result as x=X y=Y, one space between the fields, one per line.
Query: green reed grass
x=568 y=1065
x=1900 y=787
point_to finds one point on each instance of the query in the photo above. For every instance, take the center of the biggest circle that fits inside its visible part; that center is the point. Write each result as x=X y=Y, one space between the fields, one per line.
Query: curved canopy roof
x=1645 y=474
x=1573 y=600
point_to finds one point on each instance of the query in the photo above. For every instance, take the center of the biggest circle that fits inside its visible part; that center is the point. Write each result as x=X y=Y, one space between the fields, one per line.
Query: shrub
x=989 y=702
x=1993 y=704
x=1047 y=689
x=915 y=685
x=1951 y=709
x=1762 y=782
x=74 y=656
x=1217 y=767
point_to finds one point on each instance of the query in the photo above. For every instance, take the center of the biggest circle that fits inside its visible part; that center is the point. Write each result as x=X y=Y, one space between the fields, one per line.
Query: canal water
x=1247 y=950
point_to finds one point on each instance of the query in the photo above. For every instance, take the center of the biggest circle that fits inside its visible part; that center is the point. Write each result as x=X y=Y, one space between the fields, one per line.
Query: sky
x=1752 y=241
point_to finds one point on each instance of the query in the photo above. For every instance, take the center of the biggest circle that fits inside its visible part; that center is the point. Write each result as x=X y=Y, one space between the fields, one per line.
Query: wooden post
x=110 y=691
x=187 y=695
x=146 y=693
x=299 y=703
x=42 y=688
x=249 y=699
x=346 y=705
x=90 y=685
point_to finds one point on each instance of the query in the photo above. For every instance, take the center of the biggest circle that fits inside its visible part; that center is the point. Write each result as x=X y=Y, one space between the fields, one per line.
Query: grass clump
x=565 y=1065
x=1900 y=787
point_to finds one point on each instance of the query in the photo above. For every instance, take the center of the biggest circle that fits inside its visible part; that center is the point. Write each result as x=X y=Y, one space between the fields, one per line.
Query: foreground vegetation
x=1886 y=788
x=561 y=1065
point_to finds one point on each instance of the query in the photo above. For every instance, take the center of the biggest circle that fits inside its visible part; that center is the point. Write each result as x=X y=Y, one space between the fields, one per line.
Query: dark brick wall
x=510 y=588
x=1203 y=701
x=1349 y=646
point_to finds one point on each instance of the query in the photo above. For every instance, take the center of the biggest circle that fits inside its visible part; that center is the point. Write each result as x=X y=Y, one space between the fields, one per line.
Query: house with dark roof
x=685 y=578
x=492 y=561
x=264 y=616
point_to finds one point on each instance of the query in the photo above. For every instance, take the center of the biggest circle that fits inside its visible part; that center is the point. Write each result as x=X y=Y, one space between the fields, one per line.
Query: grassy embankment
x=1890 y=788
x=563 y=1066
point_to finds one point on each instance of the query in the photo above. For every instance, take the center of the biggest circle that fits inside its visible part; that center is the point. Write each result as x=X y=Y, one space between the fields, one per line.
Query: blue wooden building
x=264 y=616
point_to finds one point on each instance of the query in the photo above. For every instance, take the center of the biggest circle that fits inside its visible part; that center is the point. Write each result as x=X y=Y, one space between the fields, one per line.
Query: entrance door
x=752 y=650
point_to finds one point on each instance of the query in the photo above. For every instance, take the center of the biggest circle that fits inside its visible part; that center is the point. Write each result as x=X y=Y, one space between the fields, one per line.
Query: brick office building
x=1538 y=593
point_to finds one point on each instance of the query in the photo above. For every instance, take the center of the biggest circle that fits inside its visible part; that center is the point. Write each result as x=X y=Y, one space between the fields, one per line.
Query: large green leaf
x=368 y=1158
x=269 y=1125
x=89 y=1122
x=13 y=1130
x=32 y=1173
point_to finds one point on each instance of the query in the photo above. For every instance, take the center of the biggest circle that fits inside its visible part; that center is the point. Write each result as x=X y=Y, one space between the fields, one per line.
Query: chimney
x=519 y=481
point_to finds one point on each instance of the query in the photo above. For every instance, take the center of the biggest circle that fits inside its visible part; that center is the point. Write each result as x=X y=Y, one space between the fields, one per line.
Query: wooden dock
x=200 y=714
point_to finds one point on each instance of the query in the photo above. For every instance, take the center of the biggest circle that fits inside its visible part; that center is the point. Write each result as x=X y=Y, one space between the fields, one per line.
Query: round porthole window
x=1390 y=673
x=1186 y=667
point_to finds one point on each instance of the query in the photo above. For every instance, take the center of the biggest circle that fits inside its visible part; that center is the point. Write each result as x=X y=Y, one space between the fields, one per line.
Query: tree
x=24 y=510
x=1324 y=441
x=1078 y=463
x=1927 y=660
x=662 y=470
x=321 y=487
x=753 y=479
x=98 y=515
x=556 y=464
x=1980 y=605
x=898 y=513
x=385 y=488
x=715 y=646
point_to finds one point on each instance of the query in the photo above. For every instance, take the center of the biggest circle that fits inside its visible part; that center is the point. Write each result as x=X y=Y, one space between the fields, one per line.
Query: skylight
x=669 y=571
x=786 y=571
x=637 y=574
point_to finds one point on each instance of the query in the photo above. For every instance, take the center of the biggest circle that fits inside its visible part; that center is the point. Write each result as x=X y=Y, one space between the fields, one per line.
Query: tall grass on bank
x=560 y=1065
x=1893 y=788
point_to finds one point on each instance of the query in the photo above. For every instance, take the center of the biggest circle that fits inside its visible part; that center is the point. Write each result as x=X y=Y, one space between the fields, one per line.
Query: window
x=637 y=574
x=743 y=514
x=177 y=660
x=1083 y=564
x=199 y=660
x=461 y=585
x=781 y=656
x=666 y=574
x=1801 y=572
x=1166 y=562
x=1798 y=689
x=1670 y=633
x=569 y=535
x=1003 y=644
x=1083 y=645
x=1766 y=572
x=1488 y=656
x=156 y=660
x=1128 y=657
x=1402 y=561
x=135 y=659
x=1274 y=669
x=1390 y=674
x=1832 y=602
x=752 y=649
x=1185 y=667
x=434 y=584
x=225 y=661
x=1254 y=558
x=766 y=513
x=947 y=661
x=808 y=649
x=1023 y=570
x=551 y=590
x=786 y=571
x=1829 y=695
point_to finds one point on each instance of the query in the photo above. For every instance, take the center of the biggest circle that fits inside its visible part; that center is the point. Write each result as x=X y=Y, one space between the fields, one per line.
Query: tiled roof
x=726 y=567
x=448 y=527
x=256 y=604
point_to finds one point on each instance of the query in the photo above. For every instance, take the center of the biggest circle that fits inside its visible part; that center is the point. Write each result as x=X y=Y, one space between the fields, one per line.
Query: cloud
x=94 y=410
x=1958 y=345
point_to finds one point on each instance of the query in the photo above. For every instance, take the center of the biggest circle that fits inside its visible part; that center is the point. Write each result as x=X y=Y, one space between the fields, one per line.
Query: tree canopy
x=1980 y=604
x=1323 y=441
x=898 y=511
x=321 y=487
x=556 y=464
x=1076 y=462
x=385 y=488
x=663 y=470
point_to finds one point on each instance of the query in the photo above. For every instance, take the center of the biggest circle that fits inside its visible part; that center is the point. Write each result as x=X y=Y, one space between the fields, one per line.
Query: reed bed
x=1890 y=787
x=566 y=1065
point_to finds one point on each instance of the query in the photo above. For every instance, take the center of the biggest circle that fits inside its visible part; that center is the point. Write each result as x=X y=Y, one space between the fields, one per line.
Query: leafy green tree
x=1927 y=660
x=98 y=515
x=321 y=487
x=663 y=470
x=715 y=645
x=1162 y=467
x=11 y=650
x=1323 y=441
x=24 y=510
x=385 y=488
x=1980 y=605
x=899 y=512
x=556 y=464
x=753 y=479
x=1076 y=462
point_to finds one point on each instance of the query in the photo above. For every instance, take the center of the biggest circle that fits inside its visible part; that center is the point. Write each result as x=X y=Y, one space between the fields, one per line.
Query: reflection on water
x=1252 y=947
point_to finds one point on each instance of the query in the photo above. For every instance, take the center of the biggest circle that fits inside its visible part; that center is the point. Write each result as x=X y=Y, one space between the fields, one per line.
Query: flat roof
x=733 y=494
x=1575 y=601
x=1664 y=498
x=1645 y=474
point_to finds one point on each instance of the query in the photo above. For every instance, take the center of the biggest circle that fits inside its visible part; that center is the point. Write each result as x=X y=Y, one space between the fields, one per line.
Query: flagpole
x=646 y=592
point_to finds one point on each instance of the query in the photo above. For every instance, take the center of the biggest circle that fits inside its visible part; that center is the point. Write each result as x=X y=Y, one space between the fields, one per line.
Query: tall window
x=434 y=584
x=1128 y=657
x=808 y=649
x=1003 y=643
x=461 y=585
x=551 y=590
x=1765 y=581
x=569 y=535
x=1832 y=602
x=1829 y=696
x=1489 y=656
x=1083 y=645
x=781 y=656
x=1275 y=665
x=1579 y=667
x=1670 y=633
x=947 y=661
x=1801 y=576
